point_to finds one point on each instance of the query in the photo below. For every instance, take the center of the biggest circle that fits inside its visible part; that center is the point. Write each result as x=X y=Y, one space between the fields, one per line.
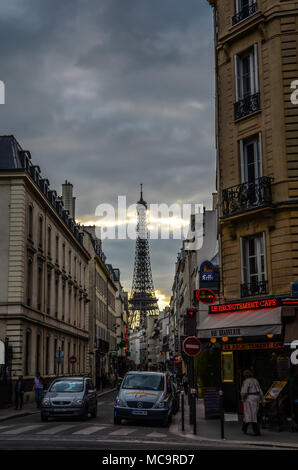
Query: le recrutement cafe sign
x=244 y=306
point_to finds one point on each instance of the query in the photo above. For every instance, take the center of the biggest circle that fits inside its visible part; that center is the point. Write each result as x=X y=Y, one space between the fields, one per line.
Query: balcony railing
x=254 y=288
x=246 y=196
x=245 y=13
x=249 y=105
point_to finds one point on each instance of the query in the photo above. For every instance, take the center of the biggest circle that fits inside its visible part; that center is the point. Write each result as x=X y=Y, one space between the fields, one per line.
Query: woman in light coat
x=252 y=396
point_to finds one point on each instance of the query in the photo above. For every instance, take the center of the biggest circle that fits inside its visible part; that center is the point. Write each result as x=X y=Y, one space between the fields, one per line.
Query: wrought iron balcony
x=245 y=13
x=246 y=106
x=246 y=196
x=254 y=288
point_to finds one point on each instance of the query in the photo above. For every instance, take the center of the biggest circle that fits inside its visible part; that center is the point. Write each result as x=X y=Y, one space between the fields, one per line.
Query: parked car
x=69 y=396
x=146 y=396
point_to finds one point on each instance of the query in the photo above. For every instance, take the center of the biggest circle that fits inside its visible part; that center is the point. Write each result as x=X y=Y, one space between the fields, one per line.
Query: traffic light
x=176 y=358
x=190 y=322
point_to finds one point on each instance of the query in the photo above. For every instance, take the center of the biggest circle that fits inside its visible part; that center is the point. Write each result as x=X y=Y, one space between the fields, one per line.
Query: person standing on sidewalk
x=38 y=389
x=19 y=393
x=252 y=396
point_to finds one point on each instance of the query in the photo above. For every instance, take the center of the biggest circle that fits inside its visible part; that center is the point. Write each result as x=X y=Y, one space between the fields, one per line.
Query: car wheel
x=85 y=414
x=117 y=420
x=43 y=417
x=94 y=412
x=166 y=421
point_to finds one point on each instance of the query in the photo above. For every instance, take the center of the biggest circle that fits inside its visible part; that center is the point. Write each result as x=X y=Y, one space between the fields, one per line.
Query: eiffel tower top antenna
x=141 y=201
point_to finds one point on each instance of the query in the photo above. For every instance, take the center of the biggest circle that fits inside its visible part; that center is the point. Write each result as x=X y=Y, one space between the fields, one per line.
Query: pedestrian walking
x=38 y=389
x=185 y=384
x=252 y=396
x=19 y=393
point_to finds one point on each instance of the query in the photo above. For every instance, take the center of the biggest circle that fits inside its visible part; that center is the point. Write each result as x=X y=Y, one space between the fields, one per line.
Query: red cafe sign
x=242 y=306
x=206 y=296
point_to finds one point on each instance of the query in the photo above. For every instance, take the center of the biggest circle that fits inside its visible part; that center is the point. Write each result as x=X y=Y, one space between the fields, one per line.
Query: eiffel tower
x=142 y=301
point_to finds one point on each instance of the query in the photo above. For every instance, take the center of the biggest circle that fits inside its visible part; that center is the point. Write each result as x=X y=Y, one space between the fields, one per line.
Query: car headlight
x=119 y=402
x=46 y=402
x=77 y=402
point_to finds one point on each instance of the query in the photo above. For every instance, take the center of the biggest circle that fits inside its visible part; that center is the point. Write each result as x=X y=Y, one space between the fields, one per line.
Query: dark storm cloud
x=112 y=93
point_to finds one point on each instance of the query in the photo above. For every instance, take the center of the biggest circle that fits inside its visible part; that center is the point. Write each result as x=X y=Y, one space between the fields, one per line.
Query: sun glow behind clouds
x=154 y=223
x=162 y=300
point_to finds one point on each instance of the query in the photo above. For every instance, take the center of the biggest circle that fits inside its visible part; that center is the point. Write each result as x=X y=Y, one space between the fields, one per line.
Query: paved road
x=95 y=433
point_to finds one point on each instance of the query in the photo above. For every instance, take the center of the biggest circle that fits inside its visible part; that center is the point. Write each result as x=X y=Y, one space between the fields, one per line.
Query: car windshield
x=63 y=386
x=143 y=382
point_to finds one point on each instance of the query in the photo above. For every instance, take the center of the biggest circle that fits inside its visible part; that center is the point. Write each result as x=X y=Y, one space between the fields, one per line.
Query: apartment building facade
x=257 y=145
x=44 y=275
x=257 y=180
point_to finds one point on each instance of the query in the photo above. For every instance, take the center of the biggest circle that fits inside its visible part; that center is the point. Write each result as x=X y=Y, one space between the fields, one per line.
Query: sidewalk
x=30 y=408
x=209 y=430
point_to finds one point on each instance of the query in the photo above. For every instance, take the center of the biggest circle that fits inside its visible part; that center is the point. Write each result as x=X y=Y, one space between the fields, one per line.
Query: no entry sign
x=72 y=359
x=191 y=346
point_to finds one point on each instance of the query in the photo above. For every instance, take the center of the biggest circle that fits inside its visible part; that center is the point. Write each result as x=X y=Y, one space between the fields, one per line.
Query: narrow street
x=28 y=433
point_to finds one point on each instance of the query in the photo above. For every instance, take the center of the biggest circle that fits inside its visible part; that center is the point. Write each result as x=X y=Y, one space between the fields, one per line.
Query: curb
x=106 y=392
x=28 y=413
x=284 y=445
x=20 y=415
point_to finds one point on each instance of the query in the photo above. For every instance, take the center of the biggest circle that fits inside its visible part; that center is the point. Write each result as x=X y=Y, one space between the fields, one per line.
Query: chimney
x=68 y=199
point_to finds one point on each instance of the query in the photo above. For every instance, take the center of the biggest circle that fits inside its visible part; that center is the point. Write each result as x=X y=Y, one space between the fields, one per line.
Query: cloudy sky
x=112 y=93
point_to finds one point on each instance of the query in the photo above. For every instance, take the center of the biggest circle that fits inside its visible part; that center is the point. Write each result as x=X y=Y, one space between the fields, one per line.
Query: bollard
x=222 y=416
x=182 y=408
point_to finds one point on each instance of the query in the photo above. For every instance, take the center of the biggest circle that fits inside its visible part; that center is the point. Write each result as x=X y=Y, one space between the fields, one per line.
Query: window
x=56 y=296
x=244 y=8
x=62 y=359
x=39 y=285
x=47 y=354
x=40 y=230
x=30 y=221
x=246 y=73
x=254 y=275
x=250 y=154
x=63 y=301
x=49 y=241
x=49 y=288
x=37 y=368
x=29 y=281
x=63 y=255
x=27 y=352
x=57 y=249
x=55 y=359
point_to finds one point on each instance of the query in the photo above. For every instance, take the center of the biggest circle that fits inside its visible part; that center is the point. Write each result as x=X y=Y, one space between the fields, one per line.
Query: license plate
x=139 y=412
x=61 y=410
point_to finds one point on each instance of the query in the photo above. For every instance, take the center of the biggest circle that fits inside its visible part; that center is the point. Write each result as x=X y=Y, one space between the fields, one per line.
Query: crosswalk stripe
x=57 y=429
x=89 y=430
x=156 y=434
x=122 y=432
x=22 y=429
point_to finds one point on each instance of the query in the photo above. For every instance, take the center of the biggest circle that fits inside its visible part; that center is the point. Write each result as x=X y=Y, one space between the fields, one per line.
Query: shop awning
x=249 y=323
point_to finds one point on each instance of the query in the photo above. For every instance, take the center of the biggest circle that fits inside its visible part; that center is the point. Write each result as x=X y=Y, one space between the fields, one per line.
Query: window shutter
x=237 y=77
x=256 y=69
x=242 y=163
x=260 y=155
x=243 y=260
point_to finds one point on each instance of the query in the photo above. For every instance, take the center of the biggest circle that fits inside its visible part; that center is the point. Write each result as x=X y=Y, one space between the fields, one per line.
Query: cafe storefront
x=254 y=335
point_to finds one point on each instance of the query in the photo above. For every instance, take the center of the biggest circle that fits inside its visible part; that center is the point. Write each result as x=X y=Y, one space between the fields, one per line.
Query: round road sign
x=191 y=346
x=72 y=359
